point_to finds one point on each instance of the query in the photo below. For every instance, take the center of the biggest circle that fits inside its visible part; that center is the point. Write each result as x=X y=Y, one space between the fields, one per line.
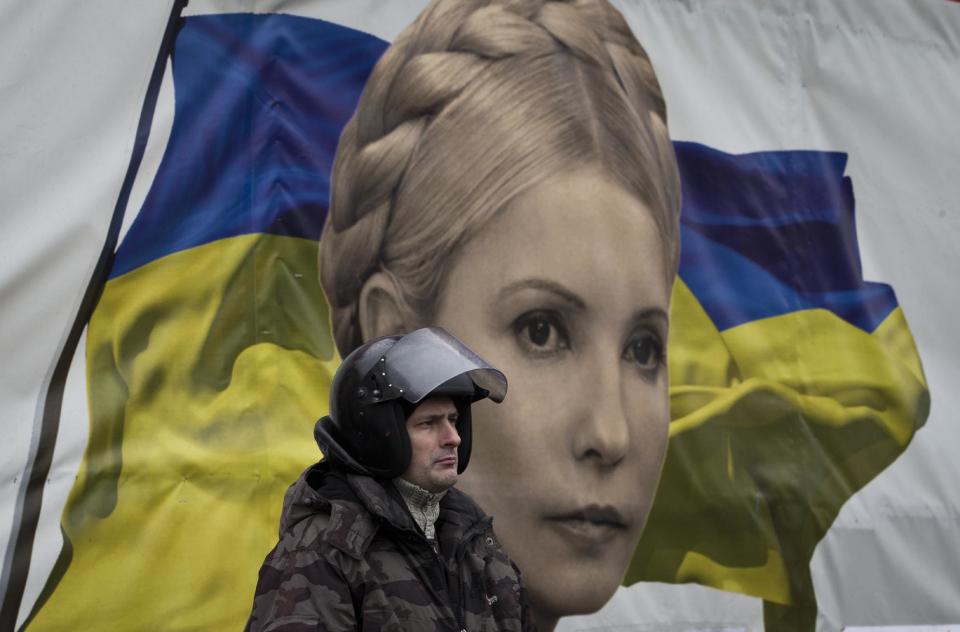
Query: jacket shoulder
x=465 y=508
x=340 y=524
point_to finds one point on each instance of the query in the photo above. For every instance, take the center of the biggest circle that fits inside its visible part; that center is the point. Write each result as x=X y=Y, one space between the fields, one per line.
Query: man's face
x=433 y=443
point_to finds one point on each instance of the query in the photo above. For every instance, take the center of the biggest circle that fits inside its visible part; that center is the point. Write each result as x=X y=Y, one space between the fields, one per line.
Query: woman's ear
x=380 y=309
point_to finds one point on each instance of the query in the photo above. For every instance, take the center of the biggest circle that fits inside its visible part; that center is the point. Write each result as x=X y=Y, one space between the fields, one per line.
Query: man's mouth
x=447 y=461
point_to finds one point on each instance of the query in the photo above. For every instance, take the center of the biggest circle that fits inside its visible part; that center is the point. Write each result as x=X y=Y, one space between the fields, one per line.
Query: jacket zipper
x=416 y=538
x=476 y=531
x=447 y=577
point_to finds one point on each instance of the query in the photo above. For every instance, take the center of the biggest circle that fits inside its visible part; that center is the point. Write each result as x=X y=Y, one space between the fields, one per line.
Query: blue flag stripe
x=260 y=103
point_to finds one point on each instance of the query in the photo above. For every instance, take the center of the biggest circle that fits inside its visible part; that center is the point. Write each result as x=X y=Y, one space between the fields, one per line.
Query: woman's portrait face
x=565 y=291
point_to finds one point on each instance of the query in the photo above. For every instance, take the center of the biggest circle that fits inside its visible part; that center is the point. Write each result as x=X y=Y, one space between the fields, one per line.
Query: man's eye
x=646 y=352
x=541 y=332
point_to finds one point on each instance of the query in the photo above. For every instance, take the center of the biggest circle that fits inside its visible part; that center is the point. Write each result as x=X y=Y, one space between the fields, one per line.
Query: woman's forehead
x=577 y=236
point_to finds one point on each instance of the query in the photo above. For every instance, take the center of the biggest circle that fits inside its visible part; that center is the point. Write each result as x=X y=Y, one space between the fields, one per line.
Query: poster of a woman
x=508 y=175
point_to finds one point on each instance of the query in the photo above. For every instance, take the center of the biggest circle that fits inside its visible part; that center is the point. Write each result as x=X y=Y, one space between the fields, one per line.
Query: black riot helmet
x=380 y=383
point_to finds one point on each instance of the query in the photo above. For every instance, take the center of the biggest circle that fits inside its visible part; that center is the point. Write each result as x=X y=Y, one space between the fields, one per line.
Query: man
x=375 y=536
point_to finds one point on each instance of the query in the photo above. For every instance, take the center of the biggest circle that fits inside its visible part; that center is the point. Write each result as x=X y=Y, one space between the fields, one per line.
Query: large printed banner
x=178 y=290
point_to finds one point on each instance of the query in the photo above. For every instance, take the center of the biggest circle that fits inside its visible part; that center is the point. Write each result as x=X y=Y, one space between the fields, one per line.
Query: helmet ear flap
x=376 y=434
x=404 y=450
x=388 y=454
x=465 y=430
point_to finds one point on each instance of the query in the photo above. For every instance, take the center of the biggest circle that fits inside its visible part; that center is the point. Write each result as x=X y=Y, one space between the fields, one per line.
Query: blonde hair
x=475 y=102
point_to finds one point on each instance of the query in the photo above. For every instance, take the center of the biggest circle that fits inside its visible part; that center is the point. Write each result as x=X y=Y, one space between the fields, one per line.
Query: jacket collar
x=359 y=505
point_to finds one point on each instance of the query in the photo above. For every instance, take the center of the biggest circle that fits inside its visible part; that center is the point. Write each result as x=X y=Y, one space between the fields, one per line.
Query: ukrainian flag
x=209 y=356
x=793 y=382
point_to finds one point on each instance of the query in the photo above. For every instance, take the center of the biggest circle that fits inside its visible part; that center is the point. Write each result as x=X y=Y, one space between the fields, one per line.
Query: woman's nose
x=603 y=432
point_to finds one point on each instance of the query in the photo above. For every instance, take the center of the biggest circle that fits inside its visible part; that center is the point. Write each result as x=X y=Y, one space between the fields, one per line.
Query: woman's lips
x=590 y=525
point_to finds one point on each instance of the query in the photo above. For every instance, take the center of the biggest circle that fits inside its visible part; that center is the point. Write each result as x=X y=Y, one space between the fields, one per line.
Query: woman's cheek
x=650 y=421
x=516 y=443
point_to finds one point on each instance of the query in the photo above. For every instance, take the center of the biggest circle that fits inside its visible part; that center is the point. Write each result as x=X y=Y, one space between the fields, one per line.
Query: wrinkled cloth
x=350 y=557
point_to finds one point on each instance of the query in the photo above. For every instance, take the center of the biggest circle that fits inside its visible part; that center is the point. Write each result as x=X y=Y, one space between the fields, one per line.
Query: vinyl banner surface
x=711 y=245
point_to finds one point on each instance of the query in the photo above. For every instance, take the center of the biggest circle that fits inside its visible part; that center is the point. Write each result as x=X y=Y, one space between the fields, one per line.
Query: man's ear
x=381 y=310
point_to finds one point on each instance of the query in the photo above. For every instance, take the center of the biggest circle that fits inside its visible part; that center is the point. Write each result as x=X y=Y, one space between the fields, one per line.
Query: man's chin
x=443 y=481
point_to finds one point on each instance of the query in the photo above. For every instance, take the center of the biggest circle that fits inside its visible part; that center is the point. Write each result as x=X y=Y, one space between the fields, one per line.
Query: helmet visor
x=426 y=358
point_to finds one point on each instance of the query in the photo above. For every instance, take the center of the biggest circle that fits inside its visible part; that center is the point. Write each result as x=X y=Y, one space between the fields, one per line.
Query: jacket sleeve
x=300 y=591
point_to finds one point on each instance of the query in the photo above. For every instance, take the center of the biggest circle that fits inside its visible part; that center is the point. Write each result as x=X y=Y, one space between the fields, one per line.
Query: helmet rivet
x=376 y=394
x=361 y=393
x=383 y=359
x=384 y=374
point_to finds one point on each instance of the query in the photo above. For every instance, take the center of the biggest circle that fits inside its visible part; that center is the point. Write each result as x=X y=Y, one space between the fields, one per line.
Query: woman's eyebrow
x=542 y=285
x=650 y=313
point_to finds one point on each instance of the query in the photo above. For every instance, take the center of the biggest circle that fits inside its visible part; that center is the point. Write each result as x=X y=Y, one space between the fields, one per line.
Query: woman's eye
x=541 y=332
x=646 y=352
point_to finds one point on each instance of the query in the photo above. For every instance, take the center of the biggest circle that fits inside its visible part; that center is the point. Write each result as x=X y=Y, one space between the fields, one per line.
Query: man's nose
x=450 y=435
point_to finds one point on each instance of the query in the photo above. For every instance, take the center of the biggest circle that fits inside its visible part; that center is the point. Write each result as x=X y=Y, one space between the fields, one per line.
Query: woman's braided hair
x=475 y=102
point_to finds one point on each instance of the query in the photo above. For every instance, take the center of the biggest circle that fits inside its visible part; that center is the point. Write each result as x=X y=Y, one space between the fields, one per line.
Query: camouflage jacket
x=351 y=558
